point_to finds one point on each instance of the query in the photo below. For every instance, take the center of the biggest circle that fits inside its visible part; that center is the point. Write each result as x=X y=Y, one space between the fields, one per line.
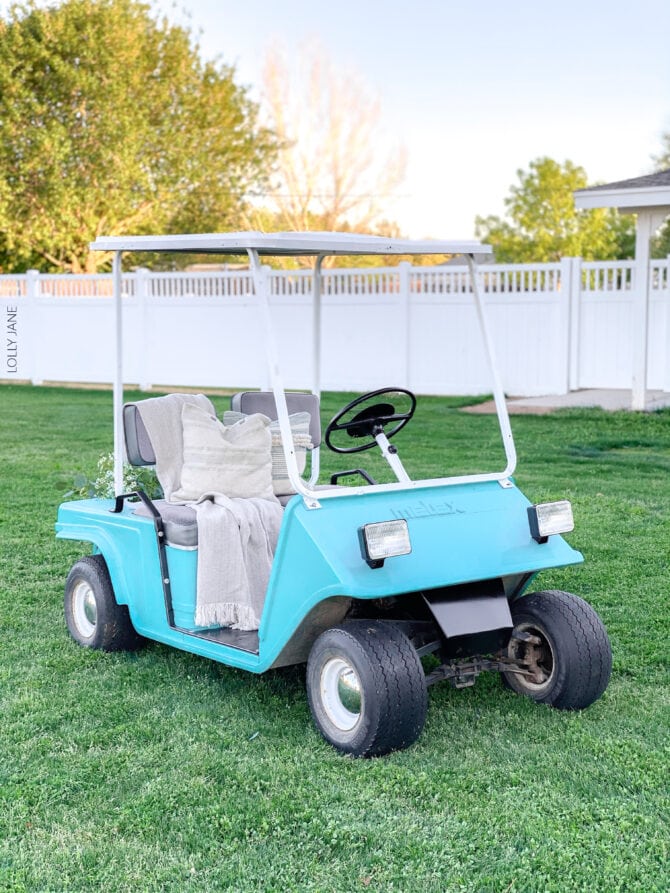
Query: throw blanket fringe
x=226 y=614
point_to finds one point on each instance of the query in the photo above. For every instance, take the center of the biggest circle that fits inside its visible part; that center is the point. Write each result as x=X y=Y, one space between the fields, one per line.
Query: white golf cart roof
x=289 y=244
x=318 y=245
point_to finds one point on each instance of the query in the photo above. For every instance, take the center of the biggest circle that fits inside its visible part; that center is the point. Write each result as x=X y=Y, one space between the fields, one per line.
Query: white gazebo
x=649 y=198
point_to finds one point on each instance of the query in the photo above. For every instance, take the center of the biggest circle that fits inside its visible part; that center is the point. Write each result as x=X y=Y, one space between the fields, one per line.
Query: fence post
x=404 y=268
x=142 y=293
x=571 y=284
x=32 y=293
x=667 y=324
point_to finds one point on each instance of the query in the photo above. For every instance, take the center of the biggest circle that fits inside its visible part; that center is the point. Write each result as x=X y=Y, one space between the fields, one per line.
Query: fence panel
x=606 y=308
x=606 y=324
x=658 y=367
x=528 y=314
x=402 y=325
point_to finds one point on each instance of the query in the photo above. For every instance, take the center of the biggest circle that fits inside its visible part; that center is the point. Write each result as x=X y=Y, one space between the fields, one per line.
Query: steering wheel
x=365 y=422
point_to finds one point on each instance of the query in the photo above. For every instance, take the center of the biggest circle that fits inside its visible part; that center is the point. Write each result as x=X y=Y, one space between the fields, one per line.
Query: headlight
x=384 y=540
x=548 y=518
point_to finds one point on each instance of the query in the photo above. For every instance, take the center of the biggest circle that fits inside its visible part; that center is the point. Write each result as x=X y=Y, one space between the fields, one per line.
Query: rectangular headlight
x=385 y=539
x=548 y=518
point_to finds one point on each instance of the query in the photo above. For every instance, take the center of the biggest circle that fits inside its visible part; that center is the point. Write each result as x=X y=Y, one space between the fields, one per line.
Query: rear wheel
x=93 y=617
x=366 y=688
x=565 y=648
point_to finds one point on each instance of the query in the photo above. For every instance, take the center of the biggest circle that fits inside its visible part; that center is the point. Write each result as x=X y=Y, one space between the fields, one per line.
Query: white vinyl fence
x=556 y=327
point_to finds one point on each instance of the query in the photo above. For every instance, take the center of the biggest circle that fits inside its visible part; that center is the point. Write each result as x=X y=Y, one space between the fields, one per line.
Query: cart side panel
x=128 y=545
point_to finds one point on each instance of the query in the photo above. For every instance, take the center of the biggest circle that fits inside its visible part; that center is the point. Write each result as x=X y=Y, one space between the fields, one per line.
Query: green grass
x=161 y=771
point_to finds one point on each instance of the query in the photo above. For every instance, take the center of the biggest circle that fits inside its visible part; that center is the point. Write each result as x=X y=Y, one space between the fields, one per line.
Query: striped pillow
x=302 y=442
x=234 y=461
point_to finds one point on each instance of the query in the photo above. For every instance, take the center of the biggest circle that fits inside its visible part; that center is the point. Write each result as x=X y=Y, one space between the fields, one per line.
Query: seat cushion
x=179 y=522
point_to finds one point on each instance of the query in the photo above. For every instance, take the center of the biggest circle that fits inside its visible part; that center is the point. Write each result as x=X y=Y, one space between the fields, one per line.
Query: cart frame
x=318 y=245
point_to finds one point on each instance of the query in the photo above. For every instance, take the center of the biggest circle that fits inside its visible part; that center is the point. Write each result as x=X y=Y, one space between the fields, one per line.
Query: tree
x=109 y=124
x=544 y=224
x=661 y=244
x=663 y=160
x=330 y=172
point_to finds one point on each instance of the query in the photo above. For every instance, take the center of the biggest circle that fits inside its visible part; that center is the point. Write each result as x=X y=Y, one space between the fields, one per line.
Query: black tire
x=366 y=688
x=571 y=654
x=93 y=617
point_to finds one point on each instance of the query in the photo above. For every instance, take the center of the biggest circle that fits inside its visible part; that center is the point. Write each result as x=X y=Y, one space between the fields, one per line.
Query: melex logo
x=424 y=509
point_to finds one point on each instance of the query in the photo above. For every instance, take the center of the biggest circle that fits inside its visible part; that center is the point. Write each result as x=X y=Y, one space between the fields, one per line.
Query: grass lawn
x=162 y=771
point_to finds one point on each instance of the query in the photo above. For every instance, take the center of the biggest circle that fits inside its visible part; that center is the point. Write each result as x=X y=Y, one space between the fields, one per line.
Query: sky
x=473 y=91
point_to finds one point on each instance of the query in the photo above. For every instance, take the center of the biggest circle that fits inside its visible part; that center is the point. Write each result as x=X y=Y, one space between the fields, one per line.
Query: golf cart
x=364 y=580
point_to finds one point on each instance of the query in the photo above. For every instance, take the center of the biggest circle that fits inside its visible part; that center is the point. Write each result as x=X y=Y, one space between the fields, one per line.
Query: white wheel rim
x=341 y=694
x=84 y=609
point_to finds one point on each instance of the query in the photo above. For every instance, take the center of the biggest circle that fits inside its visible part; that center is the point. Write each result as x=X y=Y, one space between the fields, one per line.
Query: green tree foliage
x=544 y=225
x=661 y=244
x=663 y=160
x=110 y=123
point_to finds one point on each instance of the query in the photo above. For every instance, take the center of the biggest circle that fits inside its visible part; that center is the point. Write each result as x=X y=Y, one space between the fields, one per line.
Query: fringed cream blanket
x=236 y=543
x=237 y=537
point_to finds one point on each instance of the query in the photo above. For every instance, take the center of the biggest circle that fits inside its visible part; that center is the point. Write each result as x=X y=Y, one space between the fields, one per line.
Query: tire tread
x=398 y=680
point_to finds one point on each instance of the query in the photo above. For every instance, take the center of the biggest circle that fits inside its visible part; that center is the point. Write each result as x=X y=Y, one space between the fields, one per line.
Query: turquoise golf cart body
x=459 y=535
x=383 y=589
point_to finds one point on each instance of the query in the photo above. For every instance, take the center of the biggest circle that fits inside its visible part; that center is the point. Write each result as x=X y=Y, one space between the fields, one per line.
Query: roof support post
x=262 y=288
x=118 y=376
x=317 y=292
x=498 y=393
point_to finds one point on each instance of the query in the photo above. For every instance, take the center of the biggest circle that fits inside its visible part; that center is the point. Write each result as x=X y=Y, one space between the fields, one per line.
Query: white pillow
x=233 y=460
x=300 y=422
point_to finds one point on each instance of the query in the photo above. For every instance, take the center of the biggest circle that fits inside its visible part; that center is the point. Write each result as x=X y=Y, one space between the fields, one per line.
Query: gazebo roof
x=651 y=191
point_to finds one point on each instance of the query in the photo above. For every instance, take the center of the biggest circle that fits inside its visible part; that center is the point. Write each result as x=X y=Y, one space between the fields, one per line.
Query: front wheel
x=366 y=688
x=93 y=617
x=563 y=647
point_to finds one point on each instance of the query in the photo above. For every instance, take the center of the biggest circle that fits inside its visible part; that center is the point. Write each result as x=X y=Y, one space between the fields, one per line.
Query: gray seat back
x=264 y=402
x=138 y=446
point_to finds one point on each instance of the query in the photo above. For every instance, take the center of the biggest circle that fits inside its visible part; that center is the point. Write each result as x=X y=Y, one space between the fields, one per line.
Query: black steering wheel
x=366 y=422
